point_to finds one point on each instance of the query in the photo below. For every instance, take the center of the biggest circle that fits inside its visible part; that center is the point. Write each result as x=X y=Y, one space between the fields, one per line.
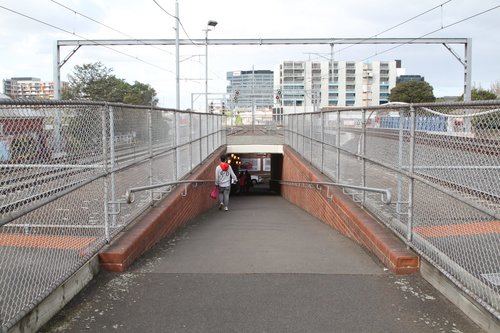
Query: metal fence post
x=112 y=161
x=296 y=126
x=106 y=171
x=200 y=137
x=176 y=142
x=297 y=132
x=409 y=231
x=338 y=145
x=223 y=126
x=289 y=127
x=400 y=164
x=363 y=155
x=322 y=116
x=150 y=148
x=191 y=142
x=303 y=134
x=207 y=132
x=311 y=137
x=218 y=137
x=212 y=135
x=207 y=136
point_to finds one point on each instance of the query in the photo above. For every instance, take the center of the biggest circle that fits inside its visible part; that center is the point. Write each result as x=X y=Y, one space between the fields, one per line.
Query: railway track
x=32 y=183
x=474 y=147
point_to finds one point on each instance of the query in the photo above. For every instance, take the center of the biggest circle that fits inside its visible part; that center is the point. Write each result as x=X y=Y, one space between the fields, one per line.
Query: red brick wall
x=344 y=215
x=340 y=212
x=162 y=220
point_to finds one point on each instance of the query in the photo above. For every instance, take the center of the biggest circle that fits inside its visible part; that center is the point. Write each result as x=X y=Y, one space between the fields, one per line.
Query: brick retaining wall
x=341 y=213
x=344 y=215
x=162 y=220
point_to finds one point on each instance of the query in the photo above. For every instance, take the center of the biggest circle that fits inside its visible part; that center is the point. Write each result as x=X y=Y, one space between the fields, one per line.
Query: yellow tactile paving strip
x=479 y=228
x=46 y=242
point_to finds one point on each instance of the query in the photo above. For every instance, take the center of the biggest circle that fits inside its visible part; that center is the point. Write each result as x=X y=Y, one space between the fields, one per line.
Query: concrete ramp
x=263 y=266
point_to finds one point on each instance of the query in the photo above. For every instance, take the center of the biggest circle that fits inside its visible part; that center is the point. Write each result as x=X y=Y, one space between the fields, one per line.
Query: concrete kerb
x=54 y=303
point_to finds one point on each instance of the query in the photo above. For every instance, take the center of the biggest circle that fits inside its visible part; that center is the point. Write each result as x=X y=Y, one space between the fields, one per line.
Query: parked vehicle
x=256 y=179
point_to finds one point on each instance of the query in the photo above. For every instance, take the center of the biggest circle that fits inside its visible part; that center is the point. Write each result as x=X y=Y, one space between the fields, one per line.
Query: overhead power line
x=163 y=9
x=107 y=26
x=389 y=29
x=420 y=37
x=436 y=30
x=398 y=25
x=82 y=37
x=178 y=19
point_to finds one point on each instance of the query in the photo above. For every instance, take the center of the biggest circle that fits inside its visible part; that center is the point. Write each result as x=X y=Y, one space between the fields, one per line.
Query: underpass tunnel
x=265 y=170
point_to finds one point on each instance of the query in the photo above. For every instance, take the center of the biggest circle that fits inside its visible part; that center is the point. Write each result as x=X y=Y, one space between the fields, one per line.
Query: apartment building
x=306 y=86
x=252 y=88
x=29 y=88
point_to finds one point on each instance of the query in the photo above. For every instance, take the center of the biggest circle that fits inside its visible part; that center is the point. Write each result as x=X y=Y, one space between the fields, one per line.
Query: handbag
x=215 y=192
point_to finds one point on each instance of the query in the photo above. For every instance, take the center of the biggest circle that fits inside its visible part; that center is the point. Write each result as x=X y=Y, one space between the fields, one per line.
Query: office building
x=253 y=88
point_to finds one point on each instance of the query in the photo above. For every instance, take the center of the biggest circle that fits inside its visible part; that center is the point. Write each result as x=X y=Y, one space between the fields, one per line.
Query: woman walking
x=224 y=176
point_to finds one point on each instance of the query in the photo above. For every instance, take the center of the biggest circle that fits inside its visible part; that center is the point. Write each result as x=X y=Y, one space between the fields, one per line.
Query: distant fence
x=64 y=170
x=441 y=161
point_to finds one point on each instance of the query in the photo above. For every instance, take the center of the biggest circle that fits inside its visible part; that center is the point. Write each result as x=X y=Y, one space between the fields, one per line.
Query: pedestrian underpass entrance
x=257 y=172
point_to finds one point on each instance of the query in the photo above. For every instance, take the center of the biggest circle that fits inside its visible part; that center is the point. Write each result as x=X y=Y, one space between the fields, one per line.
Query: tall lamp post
x=209 y=24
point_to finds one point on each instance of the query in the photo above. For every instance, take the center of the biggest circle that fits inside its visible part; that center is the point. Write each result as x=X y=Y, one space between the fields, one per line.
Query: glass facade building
x=250 y=88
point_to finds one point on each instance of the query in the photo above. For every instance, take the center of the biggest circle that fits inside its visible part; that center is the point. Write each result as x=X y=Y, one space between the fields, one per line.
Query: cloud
x=28 y=46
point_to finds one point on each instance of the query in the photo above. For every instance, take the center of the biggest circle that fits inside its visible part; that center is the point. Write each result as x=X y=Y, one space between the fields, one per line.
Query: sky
x=27 y=46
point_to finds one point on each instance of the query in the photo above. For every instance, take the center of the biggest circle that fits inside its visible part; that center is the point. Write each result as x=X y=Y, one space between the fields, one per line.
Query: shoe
x=226 y=209
x=221 y=205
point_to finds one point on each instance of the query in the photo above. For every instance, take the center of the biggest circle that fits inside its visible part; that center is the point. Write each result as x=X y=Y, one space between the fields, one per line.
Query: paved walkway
x=264 y=266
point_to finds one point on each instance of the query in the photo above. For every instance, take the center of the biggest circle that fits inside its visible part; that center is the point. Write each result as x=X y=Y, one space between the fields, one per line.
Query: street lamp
x=209 y=24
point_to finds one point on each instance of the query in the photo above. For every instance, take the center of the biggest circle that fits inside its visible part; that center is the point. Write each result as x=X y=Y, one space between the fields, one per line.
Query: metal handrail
x=129 y=194
x=386 y=196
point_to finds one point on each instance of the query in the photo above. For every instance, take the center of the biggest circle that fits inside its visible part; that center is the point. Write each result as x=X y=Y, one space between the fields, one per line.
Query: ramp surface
x=263 y=266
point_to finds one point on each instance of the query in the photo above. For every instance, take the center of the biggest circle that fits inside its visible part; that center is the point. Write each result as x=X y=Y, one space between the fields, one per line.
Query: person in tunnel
x=248 y=181
x=224 y=176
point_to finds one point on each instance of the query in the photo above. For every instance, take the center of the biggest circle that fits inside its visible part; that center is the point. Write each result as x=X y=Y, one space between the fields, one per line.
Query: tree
x=479 y=94
x=94 y=82
x=484 y=122
x=412 y=92
x=141 y=94
x=87 y=82
x=495 y=88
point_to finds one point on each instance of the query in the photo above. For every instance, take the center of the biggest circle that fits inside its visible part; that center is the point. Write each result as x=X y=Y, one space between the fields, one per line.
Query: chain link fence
x=65 y=168
x=442 y=164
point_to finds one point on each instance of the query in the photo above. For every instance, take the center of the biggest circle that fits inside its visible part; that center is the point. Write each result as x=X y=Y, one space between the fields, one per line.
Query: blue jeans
x=224 y=195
